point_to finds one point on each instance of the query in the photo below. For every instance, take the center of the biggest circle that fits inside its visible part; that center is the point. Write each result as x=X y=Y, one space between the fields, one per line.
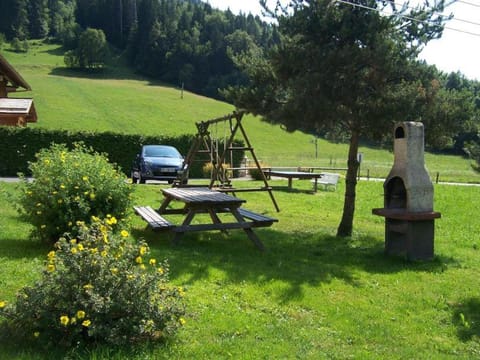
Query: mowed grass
x=120 y=101
x=310 y=295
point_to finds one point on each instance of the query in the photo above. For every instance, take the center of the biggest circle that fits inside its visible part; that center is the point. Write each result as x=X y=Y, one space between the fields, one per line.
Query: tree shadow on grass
x=466 y=317
x=293 y=190
x=106 y=73
x=12 y=248
x=295 y=259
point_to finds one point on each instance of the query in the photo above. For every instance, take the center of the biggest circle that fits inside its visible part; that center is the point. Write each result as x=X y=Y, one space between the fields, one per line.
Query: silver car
x=156 y=162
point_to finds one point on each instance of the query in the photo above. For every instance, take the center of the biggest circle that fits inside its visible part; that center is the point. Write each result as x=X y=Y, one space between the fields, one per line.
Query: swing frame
x=205 y=143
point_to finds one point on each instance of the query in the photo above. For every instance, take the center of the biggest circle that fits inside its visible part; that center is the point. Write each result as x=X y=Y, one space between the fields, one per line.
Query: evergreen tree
x=38 y=19
x=342 y=68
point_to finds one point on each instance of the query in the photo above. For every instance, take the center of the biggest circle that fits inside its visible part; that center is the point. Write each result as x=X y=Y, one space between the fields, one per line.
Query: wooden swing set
x=207 y=143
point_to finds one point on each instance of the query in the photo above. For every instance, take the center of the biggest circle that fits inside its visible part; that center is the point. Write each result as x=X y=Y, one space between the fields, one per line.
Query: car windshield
x=161 y=151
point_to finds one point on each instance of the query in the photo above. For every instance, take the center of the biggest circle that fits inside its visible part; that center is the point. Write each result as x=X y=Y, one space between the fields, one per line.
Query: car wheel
x=141 y=180
x=134 y=179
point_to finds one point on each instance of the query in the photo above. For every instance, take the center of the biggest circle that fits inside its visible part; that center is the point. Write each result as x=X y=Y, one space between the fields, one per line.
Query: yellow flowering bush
x=72 y=187
x=122 y=296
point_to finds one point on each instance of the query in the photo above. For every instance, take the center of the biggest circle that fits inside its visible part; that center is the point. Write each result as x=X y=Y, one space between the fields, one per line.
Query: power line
x=444 y=15
x=406 y=17
x=468 y=3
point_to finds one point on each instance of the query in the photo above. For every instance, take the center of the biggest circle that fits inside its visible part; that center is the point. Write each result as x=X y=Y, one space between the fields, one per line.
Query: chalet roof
x=17 y=111
x=15 y=80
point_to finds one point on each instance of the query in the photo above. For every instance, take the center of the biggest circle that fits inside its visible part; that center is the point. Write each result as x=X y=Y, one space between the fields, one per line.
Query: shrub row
x=19 y=146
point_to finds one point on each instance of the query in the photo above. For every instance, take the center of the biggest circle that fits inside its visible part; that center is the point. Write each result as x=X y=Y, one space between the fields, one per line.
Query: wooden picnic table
x=204 y=200
x=295 y=175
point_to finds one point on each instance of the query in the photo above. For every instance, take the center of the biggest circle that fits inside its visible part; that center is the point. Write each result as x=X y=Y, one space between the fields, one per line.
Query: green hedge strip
x=18 y=147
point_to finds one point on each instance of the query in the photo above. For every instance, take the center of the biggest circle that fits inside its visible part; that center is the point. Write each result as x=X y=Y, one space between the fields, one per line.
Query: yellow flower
x=182 y=321
x=130 y=277
x=80 y=314
x=73 y=241
x=88 y=286
x=152 y=262
x=143 y=250
x=50 y=268
x=114 y=271
x=86 y=323
x=111 y=220
x=138 y=260
x=36 y=334
x=46 y=161
x=93 y=251
x=80 y=247
x=180 y=291
x=105 y=238
x=142 y=266
x=62 y=186
x=64 y=320
x=124 y=233
x=51 y=254
x=73 y=321
x=92 y=196
x=104 y=253
x=160 y=270
x=85 y=178
x=73 y=250
x=3 y=304
x=95 y=219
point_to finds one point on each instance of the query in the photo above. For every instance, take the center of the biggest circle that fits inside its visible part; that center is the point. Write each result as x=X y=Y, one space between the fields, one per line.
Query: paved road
x=15 y=179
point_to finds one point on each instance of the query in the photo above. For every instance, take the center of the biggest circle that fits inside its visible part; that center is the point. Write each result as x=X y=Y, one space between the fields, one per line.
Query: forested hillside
x=190 y=45
x=183 y=42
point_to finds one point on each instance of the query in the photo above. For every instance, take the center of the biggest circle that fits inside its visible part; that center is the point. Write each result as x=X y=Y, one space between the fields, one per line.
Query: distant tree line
x=183 y=42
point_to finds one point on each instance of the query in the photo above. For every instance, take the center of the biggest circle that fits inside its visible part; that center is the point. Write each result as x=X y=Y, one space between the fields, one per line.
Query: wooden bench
x=290 y=175
x=329 y=179
x=156 y=221
x=258 y=219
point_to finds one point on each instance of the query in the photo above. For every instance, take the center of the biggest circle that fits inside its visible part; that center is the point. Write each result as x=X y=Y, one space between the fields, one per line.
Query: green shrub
x=255 y=173
x=98 y=288
x=71 y=186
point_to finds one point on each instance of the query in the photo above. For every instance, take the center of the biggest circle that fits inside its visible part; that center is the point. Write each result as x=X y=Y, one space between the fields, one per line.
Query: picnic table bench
x=290 y=175
x=329 y=179
x=203 y=200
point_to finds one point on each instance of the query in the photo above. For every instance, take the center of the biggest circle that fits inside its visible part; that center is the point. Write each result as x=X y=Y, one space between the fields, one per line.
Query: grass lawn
x=310 y=295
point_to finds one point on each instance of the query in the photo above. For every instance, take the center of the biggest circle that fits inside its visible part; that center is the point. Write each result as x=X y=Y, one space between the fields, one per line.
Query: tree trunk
x=346 y=225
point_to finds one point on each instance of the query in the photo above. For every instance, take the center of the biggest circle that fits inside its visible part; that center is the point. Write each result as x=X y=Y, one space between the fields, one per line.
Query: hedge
x=19 y=146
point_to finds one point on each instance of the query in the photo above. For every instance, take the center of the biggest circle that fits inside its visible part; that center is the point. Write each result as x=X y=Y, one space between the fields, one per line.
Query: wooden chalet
x=14 y=111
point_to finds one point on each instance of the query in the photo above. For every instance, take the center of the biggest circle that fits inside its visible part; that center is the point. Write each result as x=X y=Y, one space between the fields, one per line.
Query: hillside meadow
x=120 y=101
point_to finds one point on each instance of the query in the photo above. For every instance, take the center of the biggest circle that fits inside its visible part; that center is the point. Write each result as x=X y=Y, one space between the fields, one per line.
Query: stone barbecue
x=408 y=197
